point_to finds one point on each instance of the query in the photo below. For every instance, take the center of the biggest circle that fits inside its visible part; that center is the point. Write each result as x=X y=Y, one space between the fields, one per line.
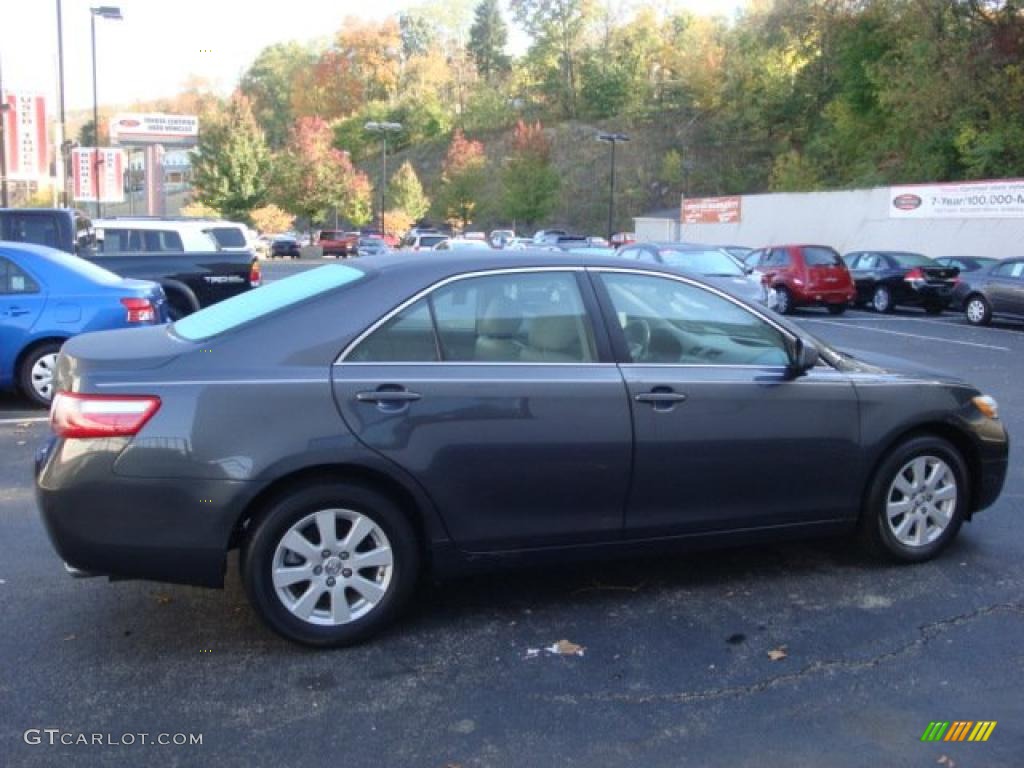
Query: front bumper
x=163 y=529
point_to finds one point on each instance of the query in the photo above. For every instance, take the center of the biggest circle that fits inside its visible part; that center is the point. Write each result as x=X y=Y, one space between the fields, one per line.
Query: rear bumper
x=132 y=528
x=826 y=297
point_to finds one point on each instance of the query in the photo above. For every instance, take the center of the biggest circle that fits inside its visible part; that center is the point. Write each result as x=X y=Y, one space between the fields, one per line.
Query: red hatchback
x=804 y=275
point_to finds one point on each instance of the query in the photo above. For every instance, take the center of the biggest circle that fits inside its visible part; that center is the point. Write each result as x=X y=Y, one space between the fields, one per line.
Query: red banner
x=711 y=210
x=99 y=170
x=25 y=140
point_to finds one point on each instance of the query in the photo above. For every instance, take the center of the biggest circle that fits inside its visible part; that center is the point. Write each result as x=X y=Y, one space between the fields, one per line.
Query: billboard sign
x=25 y=139
x=138 y=129
x=711 y=210
x=959 y=200
x=109 y=173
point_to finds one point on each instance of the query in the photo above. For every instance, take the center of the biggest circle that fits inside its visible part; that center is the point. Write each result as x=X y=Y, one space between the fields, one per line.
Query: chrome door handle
x=660 y=397
x=388 y=396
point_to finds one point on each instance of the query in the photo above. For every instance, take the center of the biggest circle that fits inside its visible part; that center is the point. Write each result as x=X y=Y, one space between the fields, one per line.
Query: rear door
x=725 y=437
x=21 y=303
x=498 y=394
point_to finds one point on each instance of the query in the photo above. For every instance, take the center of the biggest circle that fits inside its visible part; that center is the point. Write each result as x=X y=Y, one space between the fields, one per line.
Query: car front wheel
x=330 y=564
x=917 y=501
x=978 y=311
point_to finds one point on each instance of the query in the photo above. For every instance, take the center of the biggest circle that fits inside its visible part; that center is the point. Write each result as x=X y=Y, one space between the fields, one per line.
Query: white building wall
x=847 y=220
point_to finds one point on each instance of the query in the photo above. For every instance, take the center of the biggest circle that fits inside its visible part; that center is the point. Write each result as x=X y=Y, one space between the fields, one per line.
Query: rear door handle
x=388 y=396
x=16 y=312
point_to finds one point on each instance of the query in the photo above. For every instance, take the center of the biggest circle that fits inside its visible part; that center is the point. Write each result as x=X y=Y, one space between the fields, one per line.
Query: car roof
x=445 y=263
x=128 y=223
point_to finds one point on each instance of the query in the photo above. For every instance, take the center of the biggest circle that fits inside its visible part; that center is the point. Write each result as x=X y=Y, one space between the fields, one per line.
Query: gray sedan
x=356 y=426
x=716 y=265
x=992 y=292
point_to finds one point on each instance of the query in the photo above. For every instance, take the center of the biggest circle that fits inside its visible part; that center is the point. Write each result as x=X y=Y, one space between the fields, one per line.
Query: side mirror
x=804 y=357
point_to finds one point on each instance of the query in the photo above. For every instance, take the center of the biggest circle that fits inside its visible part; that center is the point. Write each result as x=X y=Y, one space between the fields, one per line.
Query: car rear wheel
x=917 y=501
x=881 y=299
x=36 y=374
x=330 y=564
x=783 y=301
x=977 y=310
x=836 y=309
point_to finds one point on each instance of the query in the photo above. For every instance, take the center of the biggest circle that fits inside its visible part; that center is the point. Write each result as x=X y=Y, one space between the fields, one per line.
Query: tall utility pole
x=104 y=12
x=613 y=139
x=4 y=200
x=383 y=129
x=64 y=144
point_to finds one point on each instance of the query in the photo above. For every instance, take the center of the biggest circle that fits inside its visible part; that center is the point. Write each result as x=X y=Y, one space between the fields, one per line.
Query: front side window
x=508 y=318
x=666 y=321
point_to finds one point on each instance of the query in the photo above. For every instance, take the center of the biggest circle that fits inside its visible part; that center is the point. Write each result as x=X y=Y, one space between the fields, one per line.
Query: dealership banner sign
x=100 y=171
x=139 y=129
x=711 y=210
x=960 y=200
x=25 y=140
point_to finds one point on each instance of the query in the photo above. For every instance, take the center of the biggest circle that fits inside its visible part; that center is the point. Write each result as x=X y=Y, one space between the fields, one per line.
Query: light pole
x=613 y=139
x=65 y=157
x=4 y=107
x=383 y=129
x=113 y=13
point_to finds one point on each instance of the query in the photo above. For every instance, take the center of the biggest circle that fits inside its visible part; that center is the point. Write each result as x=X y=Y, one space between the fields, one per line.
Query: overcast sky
x=161 y=42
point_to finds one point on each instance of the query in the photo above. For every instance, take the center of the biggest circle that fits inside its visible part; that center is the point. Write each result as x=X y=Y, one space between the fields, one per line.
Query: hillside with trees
x=790 y=95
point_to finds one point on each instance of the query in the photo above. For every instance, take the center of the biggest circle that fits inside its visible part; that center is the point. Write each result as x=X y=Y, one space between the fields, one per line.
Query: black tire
x=281 y=514
x=881 y=300
x=874 y=529
x=28 y=362
x=933 y=309
x=977 y=306
x=836 y=309
x=783 y=301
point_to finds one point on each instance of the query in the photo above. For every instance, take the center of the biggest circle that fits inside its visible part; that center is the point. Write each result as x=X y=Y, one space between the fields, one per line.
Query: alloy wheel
x=881 y=300
x=332 y=567
x=976 y=311
x=921 y=501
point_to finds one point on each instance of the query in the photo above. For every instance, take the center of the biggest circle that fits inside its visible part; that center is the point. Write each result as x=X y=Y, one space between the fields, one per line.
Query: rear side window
x=408 y=337
x=228 y=237
x=821 y=257
x=140 y=241
x=251 y=305
x=14 y=280
x=1011 y=270
x=430 y=241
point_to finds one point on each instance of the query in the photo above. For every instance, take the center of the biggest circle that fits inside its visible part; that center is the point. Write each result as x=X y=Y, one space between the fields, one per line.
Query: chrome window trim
x=440 y=284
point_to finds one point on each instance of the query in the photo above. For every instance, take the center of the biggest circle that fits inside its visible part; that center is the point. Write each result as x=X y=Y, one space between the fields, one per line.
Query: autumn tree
x=312 y=178
x=463 y=179
x=271 y=218
x=530 y=184
x=405 y=193
x=269 y=83
x=487 y=40
x=231 y=163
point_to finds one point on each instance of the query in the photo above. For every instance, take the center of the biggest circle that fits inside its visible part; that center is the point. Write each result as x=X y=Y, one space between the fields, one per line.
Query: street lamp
x=113 y=13
x=613 y=139
x=4 y=108
x=383 y=129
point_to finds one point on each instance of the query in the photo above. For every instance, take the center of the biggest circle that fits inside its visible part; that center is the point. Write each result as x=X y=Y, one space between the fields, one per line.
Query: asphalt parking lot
x=800 y=655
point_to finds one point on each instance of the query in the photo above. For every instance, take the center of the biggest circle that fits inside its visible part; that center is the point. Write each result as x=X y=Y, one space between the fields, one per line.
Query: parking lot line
x=27 y=420
x=929 y=321
x=909 y=335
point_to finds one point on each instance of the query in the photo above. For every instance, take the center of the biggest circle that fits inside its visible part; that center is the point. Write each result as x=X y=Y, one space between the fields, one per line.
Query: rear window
x=228 y=237
x=431 y=240
x=911 y=259
x=821 y=257
x=231 y=313
x=711 y=263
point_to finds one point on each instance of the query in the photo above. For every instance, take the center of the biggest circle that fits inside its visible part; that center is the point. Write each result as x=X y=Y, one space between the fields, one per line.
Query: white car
x=150 y=235
x=462 y=244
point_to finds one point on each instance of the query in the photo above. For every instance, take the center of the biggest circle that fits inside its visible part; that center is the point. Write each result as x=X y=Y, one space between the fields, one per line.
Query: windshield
x=231 y=313
x=709 y=263
x=912 y=260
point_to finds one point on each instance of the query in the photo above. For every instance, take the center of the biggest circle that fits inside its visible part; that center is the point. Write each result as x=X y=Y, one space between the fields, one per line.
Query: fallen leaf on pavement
x=566 y=648
x=163 y=599
x=21 y=442
x=70 y=637
x=946 y=761
x=778 y=654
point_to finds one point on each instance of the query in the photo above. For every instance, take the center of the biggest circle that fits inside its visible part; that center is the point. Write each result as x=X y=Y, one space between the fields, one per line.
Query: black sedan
x=353 y=427
x=994 y=292
x=285 y=247
x=887 y=279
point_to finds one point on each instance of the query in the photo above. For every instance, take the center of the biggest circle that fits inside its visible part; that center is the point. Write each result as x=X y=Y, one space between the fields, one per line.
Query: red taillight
x=914 y=274
x=255 y=275
x=139 y=310
x=74 y=414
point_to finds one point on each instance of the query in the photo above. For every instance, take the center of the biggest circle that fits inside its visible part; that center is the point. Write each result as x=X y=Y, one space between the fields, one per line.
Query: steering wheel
x=638 y=338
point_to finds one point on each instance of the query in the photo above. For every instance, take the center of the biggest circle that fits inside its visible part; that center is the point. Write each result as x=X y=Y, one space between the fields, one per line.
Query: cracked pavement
x=676 y=669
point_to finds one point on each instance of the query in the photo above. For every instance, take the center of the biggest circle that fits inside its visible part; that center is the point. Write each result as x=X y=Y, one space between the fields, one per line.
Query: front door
x=725 y=436
x=493 y=393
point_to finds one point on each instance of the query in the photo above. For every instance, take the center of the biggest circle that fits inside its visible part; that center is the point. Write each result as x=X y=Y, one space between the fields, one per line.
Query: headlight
x=986 y=405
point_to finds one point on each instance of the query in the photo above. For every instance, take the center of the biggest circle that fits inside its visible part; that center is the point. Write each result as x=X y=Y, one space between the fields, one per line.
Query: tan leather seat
x=553 y=339
x=497 y=332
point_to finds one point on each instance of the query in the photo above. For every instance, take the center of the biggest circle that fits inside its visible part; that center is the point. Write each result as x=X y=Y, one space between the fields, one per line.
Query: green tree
x=487 y=40
x=405 y=193
x=231 y=162
x=269 y=83
x=530 y=184
x=463 y=179
x=312 y=178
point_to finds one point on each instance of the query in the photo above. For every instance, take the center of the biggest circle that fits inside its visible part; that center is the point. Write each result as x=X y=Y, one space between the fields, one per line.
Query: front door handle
x=388 y=396
x=661 y=398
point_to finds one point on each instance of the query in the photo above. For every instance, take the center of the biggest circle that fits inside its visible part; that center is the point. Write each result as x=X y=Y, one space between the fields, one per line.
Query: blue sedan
x=47 y=296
